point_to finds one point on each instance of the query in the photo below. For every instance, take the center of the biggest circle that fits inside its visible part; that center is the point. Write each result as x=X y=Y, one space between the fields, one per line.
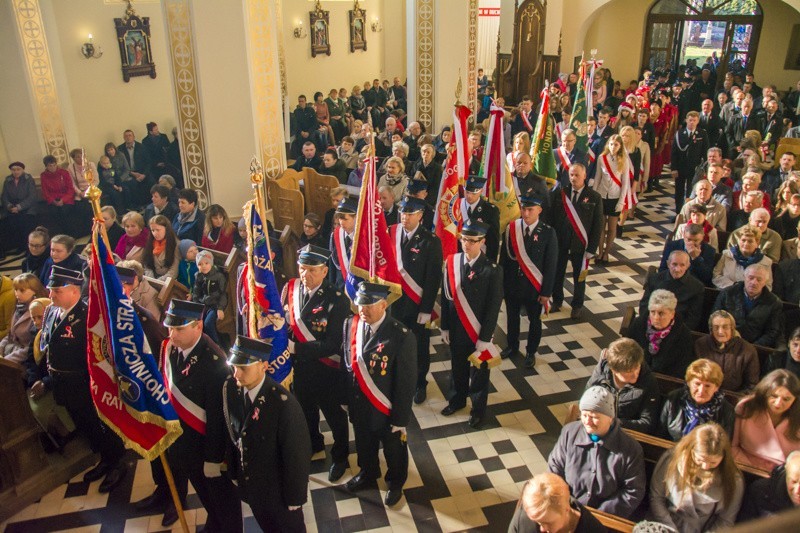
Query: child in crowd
x=187 y=270
x=209 y=290
x=240 y=238
x=110 y=183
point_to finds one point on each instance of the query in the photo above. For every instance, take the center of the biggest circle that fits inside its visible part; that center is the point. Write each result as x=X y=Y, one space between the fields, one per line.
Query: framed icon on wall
x=133 y=36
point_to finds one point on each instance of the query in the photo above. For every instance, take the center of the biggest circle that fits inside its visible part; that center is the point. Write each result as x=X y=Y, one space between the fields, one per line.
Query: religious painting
x=133 y=36
x=358 y=28
x=320 y=36
x=793 y=53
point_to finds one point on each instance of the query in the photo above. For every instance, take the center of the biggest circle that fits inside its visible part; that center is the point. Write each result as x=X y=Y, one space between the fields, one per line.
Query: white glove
x=395 y=429
x=482 y=346
x=344 y=408
x=212 y=469
x=290 y=347
x=445 y=336
x=589 y=256
x=423 y=318
x=294 y=507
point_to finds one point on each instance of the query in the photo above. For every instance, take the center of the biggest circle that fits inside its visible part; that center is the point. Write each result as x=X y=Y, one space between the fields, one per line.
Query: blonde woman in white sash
x=522 y=145
x=612 y=182
x=634 y=171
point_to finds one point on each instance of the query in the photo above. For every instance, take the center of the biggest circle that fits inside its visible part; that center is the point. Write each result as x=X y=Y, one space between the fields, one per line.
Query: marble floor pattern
x=459 y=479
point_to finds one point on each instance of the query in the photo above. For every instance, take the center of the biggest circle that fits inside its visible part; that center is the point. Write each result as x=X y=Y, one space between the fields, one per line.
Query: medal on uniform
x=384 y=362
x=373 y=359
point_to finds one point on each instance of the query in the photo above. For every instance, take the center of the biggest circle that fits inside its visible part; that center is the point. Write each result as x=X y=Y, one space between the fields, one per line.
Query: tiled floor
x=459 y=479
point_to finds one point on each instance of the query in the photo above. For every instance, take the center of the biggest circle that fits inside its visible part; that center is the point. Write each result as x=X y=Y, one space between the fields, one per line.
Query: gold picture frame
x=320 y=31
x=358 y=28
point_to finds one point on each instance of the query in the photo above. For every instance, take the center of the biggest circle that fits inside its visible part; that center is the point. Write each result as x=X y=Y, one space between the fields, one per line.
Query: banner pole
x=174 y=492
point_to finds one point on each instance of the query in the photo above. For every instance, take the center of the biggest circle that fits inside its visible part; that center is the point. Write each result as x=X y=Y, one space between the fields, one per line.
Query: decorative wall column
x=472 y=59
x=265 y=76
x=190 y=117
x=40 y=77
x=424 y=61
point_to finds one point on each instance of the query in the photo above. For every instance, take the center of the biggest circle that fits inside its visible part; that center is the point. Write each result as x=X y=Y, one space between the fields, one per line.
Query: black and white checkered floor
x=459 y=479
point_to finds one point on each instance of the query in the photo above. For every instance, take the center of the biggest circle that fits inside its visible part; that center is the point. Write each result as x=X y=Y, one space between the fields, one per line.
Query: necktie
x=467 y=270
x=527 y=232
x=248 y=403
x=367 y=333
x=304 y=299
x=348 y=241
x=744 y=122
x=575 y=197
x=404 y=240
x=469 y=212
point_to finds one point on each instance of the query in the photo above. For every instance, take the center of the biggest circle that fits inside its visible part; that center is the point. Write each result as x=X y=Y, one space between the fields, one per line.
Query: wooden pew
x=287 y=205
x=612 y=522
x=317 y=191
x=229 y=265
x=168 y=289
x=290 y=244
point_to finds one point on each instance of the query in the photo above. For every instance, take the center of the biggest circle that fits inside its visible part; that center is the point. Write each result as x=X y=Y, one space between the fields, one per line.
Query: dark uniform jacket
x=518 y=125
x=575 y=156
x=200 y=379
x=688 y=151
x=531 y=185
x=763 y=324
x=713 y=126
x=154 y=331
x=64 y=343
x=271 y=448
x=542 y=247
x=486 y=212
x=688 y=290
x=590 y=211
x=484 y=292
x=422 y=259
x=397 y=344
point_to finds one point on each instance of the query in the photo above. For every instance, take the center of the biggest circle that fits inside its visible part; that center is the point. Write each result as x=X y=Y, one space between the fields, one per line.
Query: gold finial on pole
x=93 y=193
x=257 y=182
x=459 y=88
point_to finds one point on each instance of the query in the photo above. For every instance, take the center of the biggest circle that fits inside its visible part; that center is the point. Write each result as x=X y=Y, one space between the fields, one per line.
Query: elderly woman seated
x=698 y=402
x=131 y=245
x=546 y=505
x=767 y=426
x=697 y=215
x=666 y=341
x=771 y=242
x=737 y=357
x=395 y=177
x=400 y=150
x=786 y=285
x=603 y=466
x=730 y=267
x=779 y=492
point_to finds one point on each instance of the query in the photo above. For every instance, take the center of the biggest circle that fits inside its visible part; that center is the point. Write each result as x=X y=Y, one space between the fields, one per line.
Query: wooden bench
x=228 y=264
x=289 y=242
x=317 y=191
x=168 y=289
x=612 y=522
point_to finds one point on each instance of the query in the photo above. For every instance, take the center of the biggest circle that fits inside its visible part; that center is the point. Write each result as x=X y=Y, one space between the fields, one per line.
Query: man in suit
x=688 y=150
x=419 y=189
x=526 y=181
x=529 y=258
x=476 y=208
x=418 y=253
x=341 y=246
x=304 y=125
x=566 y=155
x=603 y=130
x=775 y=177
x=63 y=342
x=270 y=450
x=381 y=370
x=388 y=204
x=525 y=120
x=138 y=189
x=701 y=254
x=771 y=121
x=677 y=280
x=156 y=144
x=316 y=313
x=577 y=238
x=471 y=282
x=426 y=167
x=740 y=123
x=194 y=372
x=710 y=122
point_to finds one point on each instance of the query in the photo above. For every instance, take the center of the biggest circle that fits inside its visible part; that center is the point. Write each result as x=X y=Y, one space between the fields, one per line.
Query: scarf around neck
x=654 y=336
x=743 y=261
x=700 y=414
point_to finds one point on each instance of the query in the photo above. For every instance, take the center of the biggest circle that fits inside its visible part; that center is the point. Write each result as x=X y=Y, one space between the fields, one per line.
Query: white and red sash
x=465 y=313
x=516 y=241
x=377 y=398
x=563 y=155
x=526 y=121
x=299 y=327
x=591 y=155
x=344 y=261
x=559 y=128
x=411 y=288
x=628 y=200
x=580 y=231
x=610 y=170
x=192 y=414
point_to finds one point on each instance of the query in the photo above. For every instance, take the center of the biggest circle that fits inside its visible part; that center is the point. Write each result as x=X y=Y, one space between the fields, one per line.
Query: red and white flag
x=447 y=218
x=499 y=183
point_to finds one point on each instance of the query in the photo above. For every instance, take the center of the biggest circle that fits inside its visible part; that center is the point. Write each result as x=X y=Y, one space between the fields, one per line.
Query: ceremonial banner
x=373 y=253
x=580 y=114
x=461 y=135
x=544 y=163
x=447 y=217
x=126 y=385
x=499 y=183
x=266 y=319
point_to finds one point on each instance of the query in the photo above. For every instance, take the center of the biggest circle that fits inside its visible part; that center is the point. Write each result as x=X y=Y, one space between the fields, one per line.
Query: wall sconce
x=299 y=31
x=376 y=25
x=89 y=51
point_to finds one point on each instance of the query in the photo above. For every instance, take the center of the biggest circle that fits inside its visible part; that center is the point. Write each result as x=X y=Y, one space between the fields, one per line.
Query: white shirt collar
x=377 y=324
x=530 y=227
x=410 y=234
x=312 y=292
x=471 y=262
x=252 y=393
x=185 y=353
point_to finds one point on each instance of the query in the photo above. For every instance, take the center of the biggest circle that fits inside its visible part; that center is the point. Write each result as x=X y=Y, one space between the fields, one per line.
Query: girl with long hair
x=612 y=182
x=161 y=258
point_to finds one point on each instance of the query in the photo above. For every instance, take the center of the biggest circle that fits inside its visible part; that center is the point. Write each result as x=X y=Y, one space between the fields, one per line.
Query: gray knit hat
x=598 y=399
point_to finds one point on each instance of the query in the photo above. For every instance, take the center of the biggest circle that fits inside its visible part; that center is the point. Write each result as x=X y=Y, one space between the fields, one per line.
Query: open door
x=660 y=44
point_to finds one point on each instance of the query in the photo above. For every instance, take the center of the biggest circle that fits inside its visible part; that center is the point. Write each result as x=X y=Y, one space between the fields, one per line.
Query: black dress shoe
x=577 y=313
x=316 y=448
x=155 y=501
x=420 y=395
x=530 y=360
x=475 y=421
x=170 y=515
x=556 y=307
x=393 y=496
x=450 y=409
x=96 y=473
x=113 y=478
x=360 y=482
x=508 y=351
x=336 y=471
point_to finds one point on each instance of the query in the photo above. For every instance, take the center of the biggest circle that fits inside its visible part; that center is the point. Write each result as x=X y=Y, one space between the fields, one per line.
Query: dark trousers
x=579 y=287
x=137 y=193
x=283 y=521
x=423 y=336
x=466 y=380
x=210 y=324
x=59 y=219
x=514 y=304
x=316 y=388
x=395 y=451
x=218 y=495
x=682 y=186
x=14 y=231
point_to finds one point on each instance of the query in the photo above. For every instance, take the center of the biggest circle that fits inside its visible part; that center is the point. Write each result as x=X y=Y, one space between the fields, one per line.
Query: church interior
x=222 y=81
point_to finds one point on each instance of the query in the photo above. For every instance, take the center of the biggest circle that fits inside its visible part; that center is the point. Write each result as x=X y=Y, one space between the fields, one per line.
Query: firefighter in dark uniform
x=194 y=371
x=419 y=189
x=381 y=370
x=270 y=448
x=476 y=208
x=316 y=311
x=345 y=219
x=541 y=248
x=420 y=260
x=63 y=342
x=482 y=287
x=589 y=207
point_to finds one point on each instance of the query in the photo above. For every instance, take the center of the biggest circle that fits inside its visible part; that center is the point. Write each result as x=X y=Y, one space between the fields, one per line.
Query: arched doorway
x=681 y=31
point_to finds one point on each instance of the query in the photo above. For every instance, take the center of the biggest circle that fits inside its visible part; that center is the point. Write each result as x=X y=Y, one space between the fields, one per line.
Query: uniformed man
x=576 y=215
x=419 y=189
x=472 y=285
x=271 y=449
x=194 y=371
x=63 y=341
x=566 y=155
x=530 y=253
x=526 y=181
x=341 y=246
x=316 y=311
x=418 y=253
x=476 y=208
x=381 y=368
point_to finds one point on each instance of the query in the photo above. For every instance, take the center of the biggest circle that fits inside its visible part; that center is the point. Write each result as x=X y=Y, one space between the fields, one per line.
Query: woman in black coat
x=666 y=341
